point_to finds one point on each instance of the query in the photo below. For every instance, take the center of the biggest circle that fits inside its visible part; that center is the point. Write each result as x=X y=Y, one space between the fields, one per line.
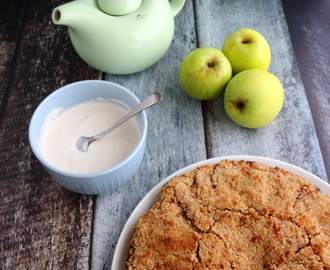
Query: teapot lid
x=119 y=7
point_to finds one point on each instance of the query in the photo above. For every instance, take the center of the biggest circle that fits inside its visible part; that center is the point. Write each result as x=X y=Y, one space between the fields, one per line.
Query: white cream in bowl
x=63 y=128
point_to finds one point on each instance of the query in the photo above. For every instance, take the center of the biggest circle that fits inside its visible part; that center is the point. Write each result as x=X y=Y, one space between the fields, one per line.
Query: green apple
x=204 y=73
x=253 y=98
x=247 y=49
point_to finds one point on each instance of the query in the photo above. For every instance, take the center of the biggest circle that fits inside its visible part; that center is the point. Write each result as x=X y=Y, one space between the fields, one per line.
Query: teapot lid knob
x=119 y=7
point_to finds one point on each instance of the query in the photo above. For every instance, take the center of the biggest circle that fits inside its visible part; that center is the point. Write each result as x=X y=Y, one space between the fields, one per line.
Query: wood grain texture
x=11 y=14
x=309 y=28
x=291 y=137
x=43 y=226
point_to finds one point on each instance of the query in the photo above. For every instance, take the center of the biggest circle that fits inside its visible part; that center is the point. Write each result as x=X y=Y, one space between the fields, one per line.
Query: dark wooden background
x=44 y=226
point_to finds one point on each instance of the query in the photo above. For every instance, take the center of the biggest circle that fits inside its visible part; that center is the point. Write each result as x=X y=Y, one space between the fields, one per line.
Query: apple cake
x=234 y=215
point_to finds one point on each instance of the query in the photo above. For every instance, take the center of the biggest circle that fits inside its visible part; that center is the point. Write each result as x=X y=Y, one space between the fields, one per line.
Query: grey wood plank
x=175 y=138
x=309 y=29
x=43 y=226
x=291 y=137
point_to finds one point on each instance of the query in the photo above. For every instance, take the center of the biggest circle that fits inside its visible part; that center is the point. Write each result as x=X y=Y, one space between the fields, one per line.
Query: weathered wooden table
x=44 y=226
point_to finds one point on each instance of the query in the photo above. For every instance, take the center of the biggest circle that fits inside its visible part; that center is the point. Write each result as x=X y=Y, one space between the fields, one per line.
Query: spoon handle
x=148 y=102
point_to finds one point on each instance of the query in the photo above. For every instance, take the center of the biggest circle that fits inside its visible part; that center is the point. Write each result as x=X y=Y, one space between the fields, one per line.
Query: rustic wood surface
x=44 y=226
x=309 y=28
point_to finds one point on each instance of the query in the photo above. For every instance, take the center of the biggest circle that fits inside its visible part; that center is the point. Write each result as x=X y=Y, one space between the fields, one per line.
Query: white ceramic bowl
x=72 y=94
x=119 y=258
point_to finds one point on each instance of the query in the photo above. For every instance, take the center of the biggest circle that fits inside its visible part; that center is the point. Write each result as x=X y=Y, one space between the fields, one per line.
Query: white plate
x=149 y=200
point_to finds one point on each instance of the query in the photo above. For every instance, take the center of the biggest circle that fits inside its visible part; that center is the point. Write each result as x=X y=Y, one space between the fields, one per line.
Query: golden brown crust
x=234 y=215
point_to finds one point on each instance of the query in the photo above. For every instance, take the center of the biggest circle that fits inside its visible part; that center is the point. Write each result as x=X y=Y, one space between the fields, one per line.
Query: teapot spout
x=71 y=14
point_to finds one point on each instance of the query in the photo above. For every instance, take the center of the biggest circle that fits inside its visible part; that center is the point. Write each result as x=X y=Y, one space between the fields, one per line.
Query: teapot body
x=118 y=44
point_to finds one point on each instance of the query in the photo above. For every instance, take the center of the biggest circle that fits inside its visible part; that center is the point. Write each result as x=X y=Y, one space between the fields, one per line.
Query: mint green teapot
x=119 y=36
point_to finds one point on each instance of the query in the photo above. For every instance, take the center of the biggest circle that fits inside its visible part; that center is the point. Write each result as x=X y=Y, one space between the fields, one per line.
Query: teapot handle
x=176 y=6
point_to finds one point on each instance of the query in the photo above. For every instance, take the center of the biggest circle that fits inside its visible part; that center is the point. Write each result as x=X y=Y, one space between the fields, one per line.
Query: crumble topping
x=234 y=215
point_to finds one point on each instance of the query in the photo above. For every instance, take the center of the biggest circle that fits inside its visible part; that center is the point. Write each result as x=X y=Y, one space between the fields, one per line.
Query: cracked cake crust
x=234 y=215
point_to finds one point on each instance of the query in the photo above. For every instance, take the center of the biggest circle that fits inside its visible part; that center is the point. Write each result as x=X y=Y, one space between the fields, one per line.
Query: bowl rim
x=45 y=163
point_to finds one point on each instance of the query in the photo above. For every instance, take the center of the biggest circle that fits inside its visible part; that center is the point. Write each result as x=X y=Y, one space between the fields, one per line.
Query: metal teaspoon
x=84 y=142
